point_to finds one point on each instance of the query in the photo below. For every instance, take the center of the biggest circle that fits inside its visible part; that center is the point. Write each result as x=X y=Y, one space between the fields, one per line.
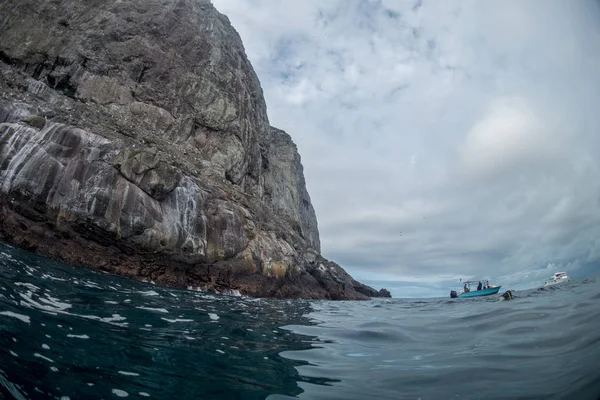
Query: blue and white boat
x=486 y=291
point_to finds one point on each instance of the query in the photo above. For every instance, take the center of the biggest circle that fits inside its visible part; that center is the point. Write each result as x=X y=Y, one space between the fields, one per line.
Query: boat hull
x=482 y=292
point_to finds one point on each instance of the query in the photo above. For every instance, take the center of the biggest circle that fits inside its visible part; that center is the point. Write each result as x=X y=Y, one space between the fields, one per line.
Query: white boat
x=557 y=278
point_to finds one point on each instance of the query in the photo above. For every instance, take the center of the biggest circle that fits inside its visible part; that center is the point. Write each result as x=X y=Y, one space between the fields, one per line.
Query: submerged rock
x=134 y=138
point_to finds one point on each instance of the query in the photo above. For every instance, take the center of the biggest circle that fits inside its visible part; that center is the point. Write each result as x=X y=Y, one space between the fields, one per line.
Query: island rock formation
x=134 y=139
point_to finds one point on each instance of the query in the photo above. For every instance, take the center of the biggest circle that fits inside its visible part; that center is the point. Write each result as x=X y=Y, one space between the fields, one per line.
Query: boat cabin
x=558 y=277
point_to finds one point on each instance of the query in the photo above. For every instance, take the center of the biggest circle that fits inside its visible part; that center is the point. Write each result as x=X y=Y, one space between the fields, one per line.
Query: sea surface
x=73 y=333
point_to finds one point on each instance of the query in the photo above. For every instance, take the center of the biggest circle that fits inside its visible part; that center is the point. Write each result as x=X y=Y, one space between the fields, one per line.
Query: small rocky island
x=134 y=139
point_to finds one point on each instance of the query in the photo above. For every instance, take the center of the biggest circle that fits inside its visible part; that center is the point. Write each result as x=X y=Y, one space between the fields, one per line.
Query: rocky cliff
x=134 y=138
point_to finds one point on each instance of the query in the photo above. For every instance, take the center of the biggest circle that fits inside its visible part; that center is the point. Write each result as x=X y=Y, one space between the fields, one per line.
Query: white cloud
x=509 y=136
x=439 y=137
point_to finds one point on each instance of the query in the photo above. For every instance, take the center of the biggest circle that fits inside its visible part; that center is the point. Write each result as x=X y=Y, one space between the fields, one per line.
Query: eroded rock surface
x=134 y=138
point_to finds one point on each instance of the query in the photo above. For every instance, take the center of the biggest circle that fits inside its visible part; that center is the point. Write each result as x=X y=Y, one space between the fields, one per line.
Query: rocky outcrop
x=134 y=139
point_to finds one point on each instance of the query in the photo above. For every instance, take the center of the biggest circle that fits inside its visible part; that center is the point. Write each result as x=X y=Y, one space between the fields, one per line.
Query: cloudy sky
x=440 y=139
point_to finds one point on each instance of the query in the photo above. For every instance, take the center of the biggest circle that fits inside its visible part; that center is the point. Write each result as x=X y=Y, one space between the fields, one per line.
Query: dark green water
x=73 y=333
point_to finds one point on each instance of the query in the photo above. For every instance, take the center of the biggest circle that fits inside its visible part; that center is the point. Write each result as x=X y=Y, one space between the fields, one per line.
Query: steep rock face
x=134 y=138
x=284 y=186
x=173 y=66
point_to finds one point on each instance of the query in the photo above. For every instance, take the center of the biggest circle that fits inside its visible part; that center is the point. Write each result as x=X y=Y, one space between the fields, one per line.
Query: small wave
x=213 y=316
x=159 y=310
x=12 y=389
x=70 y=335
x=28 y=285
x=38 y=355
x=20 y=317
x=149 y=293
x=119 y=393
x=177 y=320
x=128 y=373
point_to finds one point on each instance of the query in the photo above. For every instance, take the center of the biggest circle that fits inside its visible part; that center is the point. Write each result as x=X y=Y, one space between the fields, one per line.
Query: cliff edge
x=134 y=139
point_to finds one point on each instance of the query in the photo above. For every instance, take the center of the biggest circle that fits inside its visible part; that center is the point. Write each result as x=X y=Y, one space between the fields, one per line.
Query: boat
x=474 y=293
x=557 y=278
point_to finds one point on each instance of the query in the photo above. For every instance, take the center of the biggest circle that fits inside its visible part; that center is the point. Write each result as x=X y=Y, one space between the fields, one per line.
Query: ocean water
x=74 y=333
